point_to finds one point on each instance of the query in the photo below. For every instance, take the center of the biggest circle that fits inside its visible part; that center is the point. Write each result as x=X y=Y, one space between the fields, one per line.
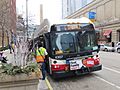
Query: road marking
x=111 y=70
x=48 y=84
x=112 y=84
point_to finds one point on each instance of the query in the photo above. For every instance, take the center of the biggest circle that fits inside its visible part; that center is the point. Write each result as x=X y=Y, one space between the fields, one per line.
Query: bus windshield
x=86 y=40
x=63 y=42
x=74 y=41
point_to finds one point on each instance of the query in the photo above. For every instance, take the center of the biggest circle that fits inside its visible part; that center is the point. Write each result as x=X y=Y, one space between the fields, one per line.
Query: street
x=106 y=79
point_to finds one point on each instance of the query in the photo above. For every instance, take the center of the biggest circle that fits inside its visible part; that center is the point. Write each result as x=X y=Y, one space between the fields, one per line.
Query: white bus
x=71 y=45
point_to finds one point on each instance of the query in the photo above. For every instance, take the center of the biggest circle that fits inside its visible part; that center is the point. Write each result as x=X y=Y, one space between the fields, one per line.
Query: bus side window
x=53 y=28
x=47 y=42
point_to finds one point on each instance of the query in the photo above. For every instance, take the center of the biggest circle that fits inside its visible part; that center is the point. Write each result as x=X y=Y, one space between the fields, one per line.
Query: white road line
x=112 y=84
x=111 y=70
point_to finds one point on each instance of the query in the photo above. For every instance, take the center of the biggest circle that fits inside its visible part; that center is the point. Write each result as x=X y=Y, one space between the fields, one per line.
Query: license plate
x=90 y=62
x=75 y=64
x=74 y=67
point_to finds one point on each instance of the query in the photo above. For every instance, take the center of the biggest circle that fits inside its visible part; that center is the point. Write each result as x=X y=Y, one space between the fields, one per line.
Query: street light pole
x=27 y=17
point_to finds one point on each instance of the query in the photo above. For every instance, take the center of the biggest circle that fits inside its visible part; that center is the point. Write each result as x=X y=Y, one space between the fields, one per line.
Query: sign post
x=92 y=16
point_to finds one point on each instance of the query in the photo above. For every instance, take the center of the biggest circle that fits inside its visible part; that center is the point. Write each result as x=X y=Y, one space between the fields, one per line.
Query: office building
x=106 y=19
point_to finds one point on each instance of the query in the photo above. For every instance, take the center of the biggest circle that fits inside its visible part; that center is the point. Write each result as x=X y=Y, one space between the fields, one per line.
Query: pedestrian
x=13 y=46
x=2 y=58
x=15 y=52
x=41 y=56
x=113 y=44
x=10 y=48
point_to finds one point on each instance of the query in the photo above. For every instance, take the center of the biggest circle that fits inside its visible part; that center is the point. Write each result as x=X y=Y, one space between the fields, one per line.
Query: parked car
x=106 y=48
x=117 y=47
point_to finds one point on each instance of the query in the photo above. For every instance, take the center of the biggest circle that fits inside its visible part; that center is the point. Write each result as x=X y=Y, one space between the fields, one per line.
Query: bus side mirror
x=98 y=48
x=47 y=35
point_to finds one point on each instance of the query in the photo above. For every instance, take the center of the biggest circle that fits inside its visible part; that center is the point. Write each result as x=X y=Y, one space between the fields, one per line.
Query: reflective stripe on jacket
x=40 y=54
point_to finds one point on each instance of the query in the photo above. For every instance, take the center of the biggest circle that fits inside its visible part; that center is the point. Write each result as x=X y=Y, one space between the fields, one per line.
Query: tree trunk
x=7 y=37
x=2 y=36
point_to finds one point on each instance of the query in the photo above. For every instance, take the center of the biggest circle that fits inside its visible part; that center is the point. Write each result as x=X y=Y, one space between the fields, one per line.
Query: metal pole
x=27 y=17
x=62 y=9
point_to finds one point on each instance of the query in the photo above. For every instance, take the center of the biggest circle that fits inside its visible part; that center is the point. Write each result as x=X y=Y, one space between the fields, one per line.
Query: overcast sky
x=51 y=9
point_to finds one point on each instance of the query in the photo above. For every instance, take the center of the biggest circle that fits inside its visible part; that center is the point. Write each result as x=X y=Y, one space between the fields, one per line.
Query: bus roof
x=46 y=24
x=71 y=21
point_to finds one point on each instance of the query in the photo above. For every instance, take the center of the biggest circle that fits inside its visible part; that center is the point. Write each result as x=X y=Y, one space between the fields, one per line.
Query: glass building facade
x=70 y=6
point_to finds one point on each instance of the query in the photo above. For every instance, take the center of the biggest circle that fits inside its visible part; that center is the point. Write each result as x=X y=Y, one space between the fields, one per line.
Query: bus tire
x=118 y=50
x=106 y=50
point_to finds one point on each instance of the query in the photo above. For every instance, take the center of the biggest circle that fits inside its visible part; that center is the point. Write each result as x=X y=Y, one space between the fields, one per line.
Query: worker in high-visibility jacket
x=41 y=54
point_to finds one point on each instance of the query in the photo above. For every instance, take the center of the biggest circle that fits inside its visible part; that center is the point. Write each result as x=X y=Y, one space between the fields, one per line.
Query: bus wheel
x=118 y=50
x=106 y=49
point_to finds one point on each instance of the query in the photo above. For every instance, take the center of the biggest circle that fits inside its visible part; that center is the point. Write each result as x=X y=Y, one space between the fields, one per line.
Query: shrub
x=4 y=48
x=9 y=69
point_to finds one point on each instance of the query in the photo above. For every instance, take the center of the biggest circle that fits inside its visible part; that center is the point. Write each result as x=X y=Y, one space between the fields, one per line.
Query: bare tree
x=20 y=27
x=4 y=20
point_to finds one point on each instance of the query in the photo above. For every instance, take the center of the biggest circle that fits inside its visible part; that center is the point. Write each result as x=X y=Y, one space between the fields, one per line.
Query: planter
x=19 y=82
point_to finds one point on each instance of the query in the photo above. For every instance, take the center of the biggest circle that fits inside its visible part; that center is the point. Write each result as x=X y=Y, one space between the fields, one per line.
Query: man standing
x=41 y=53
x=10 y=48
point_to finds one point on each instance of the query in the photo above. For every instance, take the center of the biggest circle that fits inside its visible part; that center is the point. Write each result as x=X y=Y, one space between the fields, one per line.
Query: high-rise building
x=78 y=4
x=7 y=21
x=84 y=2
x=64 y=8
x=70 y=6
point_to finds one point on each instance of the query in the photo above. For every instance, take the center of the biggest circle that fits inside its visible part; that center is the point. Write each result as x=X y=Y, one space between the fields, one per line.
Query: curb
x=48 y=84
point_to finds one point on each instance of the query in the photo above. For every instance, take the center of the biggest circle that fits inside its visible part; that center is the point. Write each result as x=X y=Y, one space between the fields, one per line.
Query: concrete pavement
x=42 y=85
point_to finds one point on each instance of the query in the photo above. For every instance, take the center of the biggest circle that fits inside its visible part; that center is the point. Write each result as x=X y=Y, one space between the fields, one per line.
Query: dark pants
x=43 y=71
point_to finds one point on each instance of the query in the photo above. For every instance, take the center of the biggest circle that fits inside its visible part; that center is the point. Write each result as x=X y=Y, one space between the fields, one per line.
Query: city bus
x=71 y=45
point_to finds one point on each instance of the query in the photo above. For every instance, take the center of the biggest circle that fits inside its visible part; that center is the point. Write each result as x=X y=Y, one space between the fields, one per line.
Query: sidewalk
x=10 y=57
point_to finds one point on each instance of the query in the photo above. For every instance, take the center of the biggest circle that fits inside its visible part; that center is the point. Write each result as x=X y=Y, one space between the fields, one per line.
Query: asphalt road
x=106 y=79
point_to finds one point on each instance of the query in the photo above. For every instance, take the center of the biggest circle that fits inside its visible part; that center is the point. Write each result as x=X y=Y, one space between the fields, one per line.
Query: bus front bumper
x=60 y=74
